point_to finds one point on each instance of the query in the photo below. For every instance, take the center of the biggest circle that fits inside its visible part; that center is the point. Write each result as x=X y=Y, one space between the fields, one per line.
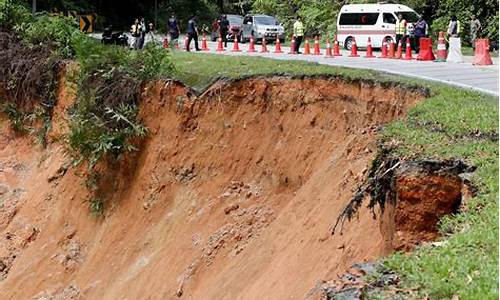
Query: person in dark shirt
x=173 y=29
x=192 y=33
x=223 y=29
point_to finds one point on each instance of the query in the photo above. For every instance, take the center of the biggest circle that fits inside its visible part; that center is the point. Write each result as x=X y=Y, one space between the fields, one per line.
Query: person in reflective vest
x=135 y=30
x=454 y=27
x=298 y=32
x=400 y=30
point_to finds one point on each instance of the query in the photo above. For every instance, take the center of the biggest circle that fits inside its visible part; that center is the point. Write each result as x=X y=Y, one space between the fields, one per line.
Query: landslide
x=231 y=196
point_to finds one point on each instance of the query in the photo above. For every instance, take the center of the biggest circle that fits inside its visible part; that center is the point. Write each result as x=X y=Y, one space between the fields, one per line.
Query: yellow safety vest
x=401 y=26
x=298 y=28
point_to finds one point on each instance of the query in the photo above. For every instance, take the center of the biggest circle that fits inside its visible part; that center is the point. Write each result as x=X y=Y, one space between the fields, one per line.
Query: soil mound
x=231 y=196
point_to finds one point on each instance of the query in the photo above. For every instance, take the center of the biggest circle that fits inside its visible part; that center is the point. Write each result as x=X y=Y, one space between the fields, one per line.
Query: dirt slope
x=231 y=197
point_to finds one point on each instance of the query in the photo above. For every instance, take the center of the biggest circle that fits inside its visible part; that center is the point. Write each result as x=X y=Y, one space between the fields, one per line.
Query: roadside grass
x=451 y=123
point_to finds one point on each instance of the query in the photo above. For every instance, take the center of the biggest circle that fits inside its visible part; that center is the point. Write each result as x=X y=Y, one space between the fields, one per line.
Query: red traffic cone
x=336 y=48
x=399 y=53
x=277 y=48
x=264 y=47
x=204 y=46
x=317 y=51
x=391 y=50
x=482 y=54
x=354 y=49
x=384 y=50
x=328 y=49
x=292 y=46
x=251 y=48
x=307 y=47
x=408 y=55
x=369 y=50
x=220 y=47
x=441 y=49
x=165 y=43
x=236 y=47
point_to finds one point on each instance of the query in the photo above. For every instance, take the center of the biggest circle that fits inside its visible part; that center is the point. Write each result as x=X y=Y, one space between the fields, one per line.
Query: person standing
x=224 y=29
x=454 y=27
x=135 y=30
x=151 y=34
x=143 y=33
x=400 y=30
x=192 y=33
x=173 y=30
x=454 y=43
x=298 y=32
x=421 y=30
x=475 y=31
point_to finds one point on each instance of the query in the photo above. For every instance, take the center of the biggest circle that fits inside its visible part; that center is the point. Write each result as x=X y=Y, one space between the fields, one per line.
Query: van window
x=247 y=19
x=389 y=18
x=409 y=16
x=358 y=18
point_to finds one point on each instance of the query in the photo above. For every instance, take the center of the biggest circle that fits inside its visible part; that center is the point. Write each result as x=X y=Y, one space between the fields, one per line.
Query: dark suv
x=235 y=22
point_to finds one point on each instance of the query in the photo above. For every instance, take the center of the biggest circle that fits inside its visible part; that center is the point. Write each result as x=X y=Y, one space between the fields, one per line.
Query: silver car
x=261 y=26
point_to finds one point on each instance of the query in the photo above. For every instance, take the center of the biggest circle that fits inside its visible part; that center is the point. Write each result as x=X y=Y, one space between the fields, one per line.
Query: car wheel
x=348 y=43
x=388 y=40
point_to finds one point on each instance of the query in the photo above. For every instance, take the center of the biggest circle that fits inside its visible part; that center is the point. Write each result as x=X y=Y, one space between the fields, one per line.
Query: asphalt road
x=465 y=75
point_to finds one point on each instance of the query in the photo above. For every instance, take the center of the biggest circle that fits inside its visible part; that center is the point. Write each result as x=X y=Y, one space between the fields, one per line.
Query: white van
x=377 y=21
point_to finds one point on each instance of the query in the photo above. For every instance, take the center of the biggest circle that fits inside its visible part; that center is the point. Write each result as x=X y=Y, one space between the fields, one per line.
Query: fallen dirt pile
x=231 y=196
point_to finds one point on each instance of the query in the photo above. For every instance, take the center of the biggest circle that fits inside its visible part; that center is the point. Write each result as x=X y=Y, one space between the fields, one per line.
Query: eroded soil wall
x=231 y=196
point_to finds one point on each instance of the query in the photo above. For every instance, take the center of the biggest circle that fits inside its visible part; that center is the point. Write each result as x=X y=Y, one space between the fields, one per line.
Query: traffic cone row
x=482 y=56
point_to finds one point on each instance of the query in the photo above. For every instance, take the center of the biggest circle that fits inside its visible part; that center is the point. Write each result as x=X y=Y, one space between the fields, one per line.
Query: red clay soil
x=231 y=197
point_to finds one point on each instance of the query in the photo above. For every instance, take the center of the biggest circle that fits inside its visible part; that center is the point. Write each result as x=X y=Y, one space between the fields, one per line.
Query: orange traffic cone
x=317 y=51
x=354 y=49
x=399 y=53
x=204 y=46
x=292 y=46
x=220 y=47
x=441 y=48
x=384 y=50
x=328 y=49
x=336 y=48
x=251 y=48
x=369 y=50
x=391 y=50
x=482 y=54
x=264 y=47
x=277 y=48
x=165 y=43
x=307 y=47
x=236 y=47
x=408 y=55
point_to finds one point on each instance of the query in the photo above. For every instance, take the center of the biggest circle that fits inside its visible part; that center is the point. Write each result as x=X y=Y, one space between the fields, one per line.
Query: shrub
x=12 y=14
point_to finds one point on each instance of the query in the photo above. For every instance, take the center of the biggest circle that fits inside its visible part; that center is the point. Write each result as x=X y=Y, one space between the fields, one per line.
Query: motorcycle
x=117 y=38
